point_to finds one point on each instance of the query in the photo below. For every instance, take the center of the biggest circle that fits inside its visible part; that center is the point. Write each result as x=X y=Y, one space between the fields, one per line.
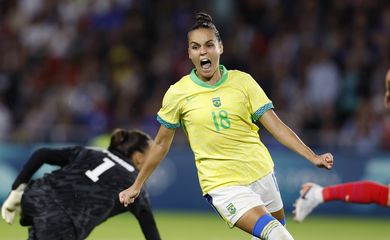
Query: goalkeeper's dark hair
x=128 y=142
x=204 y=20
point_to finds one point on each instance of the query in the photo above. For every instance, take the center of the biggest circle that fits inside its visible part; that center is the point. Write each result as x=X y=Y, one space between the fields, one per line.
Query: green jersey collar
x=199 y=82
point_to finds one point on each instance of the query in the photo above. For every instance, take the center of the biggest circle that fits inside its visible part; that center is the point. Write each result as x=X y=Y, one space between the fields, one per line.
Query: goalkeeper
x=71 y=201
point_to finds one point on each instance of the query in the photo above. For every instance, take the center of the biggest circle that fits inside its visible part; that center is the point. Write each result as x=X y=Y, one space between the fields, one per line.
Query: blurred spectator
x=5 y=122
x=362 y=133
x=72 y=70
x=322 y=81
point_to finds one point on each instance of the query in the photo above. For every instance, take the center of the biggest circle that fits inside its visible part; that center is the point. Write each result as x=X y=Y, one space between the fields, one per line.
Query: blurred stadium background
x=72 y=71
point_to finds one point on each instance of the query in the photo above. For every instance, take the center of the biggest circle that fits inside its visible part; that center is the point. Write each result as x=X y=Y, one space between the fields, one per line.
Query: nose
x=202 y=50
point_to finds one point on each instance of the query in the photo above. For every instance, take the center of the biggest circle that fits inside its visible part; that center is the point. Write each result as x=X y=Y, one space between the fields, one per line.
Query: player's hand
x=129 y=195
x=324 y=161
x=11 y=205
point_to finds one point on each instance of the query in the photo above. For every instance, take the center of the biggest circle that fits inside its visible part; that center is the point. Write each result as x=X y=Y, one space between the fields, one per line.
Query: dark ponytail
x=204 y=20
x=128 y=142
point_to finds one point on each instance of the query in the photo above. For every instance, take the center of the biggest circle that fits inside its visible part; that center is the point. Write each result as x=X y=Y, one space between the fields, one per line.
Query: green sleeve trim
x=261 y=111
x=167 y=124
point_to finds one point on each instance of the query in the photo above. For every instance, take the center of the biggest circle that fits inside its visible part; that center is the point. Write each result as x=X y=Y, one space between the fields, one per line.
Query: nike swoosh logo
x=304 y=194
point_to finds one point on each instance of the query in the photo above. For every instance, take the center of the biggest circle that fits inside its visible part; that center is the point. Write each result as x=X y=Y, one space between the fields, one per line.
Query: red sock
x=357 y=192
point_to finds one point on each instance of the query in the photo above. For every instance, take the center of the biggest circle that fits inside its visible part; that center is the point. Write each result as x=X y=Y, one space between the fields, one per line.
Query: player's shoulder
x=240 y=78
x=88 y=152
x=234 y=73
x=71 y=150
x=180 y=87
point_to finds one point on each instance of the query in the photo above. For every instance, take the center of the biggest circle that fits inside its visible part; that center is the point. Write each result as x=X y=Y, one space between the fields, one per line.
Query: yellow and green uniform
x=219 y=123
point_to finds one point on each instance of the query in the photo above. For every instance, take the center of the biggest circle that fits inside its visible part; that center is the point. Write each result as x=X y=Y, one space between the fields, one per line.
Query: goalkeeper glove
x=12 y=204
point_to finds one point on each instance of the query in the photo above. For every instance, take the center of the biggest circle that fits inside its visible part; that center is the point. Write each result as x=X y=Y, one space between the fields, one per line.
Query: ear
x=137 y=159
x=220 y=48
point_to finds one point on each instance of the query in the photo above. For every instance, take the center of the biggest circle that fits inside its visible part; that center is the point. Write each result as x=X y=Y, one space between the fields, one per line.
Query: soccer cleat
x=311 y=197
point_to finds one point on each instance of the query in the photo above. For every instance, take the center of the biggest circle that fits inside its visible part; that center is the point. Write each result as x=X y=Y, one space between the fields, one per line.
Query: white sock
x=279 y=233
x=268 y=228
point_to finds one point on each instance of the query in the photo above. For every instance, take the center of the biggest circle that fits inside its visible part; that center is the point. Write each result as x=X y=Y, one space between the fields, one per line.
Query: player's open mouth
x=205 y=64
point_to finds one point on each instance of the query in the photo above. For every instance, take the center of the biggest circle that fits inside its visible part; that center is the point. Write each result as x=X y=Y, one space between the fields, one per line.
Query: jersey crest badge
x=216 y=102
x=231 y=208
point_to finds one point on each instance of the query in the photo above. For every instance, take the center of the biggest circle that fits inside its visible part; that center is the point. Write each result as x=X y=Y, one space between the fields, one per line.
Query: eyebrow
x=211 y=40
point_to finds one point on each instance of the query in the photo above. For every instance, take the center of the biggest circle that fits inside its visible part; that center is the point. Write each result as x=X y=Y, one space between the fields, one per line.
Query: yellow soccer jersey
x=219 y=123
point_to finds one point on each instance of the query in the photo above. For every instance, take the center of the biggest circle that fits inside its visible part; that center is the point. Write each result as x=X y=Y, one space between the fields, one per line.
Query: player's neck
x=214 y=79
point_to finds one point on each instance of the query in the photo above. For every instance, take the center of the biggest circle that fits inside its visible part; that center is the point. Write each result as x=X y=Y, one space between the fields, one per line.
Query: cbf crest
x=231 y=208
x=216 y=102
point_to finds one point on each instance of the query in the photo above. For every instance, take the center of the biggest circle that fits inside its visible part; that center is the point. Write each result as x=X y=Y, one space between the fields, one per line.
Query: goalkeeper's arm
x=44 y=155
x=59 y=157
x=11 y=205
x=144 y=214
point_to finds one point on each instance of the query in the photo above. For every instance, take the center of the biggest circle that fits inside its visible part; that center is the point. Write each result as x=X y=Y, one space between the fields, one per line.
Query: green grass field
x=206 y=225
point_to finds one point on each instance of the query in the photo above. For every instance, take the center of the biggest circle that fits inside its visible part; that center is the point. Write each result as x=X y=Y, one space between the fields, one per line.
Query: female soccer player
x=71 y=201
x=217 y=109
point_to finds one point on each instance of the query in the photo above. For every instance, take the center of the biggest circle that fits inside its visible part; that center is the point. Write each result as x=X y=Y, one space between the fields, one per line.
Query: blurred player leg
x=364 y=192
x=311 y=197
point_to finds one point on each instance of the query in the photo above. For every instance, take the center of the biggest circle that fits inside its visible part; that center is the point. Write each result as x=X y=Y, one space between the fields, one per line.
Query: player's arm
x=148 y=225
x=11 y=205
x=387 y=93
x=145 y=217
x=288 y=138
x=157 y=152
x=58 y=157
